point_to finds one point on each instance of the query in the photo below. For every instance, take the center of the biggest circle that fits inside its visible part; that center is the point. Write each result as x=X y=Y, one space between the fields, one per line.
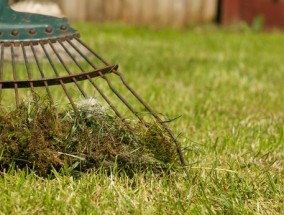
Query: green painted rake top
x=43 y=54
x=16 y=26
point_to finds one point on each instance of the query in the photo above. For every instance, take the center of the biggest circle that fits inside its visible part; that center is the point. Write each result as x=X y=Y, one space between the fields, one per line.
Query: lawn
x=226 y=87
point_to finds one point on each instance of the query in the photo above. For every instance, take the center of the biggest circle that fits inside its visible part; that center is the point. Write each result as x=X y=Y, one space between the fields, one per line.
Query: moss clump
x=152 y=139
x=38 y=137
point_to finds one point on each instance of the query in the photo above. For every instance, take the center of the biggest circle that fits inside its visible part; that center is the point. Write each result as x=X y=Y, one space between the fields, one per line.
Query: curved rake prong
x=58 y=80
x=61 y=81
x=136 y=113
x=98 y=89
x=15 y=77
x=42 y=74
x=28 y=71
x=120 y=97
x=68 y=71
x=118 y=114
x=92 y=82
x=159 y=120
x=151 y=111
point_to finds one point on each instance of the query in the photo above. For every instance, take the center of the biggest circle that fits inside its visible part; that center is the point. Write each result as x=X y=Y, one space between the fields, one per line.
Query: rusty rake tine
x=90 y=50
x=122 y=99
x=97 y=88
x=89 y=78
x=123 y=81
x=15 y=76
x=115 y=110
x=28 y=70
x=1 y=70
x=92 y=82
x=107 y=100
x=67 y=70
x=61 y=82
x=159 y=120
x=82 y=55
x=42 y=74
x=72 y=57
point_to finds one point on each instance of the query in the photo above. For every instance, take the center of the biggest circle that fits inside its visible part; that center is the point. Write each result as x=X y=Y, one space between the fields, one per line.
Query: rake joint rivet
x=15 y=33
x=49 y=30
x=63 y=27
x=32 y=31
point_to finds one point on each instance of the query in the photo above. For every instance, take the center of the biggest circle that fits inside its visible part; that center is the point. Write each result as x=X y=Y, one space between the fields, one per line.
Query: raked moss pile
x=38 y=137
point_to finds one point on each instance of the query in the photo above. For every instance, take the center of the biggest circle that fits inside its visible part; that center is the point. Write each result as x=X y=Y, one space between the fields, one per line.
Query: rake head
x=44 y=55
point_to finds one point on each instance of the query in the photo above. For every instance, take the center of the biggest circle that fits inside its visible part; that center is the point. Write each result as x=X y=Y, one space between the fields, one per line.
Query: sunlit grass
x=226 y=85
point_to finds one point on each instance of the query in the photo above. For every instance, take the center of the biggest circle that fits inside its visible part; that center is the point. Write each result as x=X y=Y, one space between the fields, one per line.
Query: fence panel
x=142 y=12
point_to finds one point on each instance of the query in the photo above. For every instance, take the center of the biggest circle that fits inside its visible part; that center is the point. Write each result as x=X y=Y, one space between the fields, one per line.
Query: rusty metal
x=30 y=79
x=16 y=87
x=56 y=81
x=148 y=108
x=42 y=74
x=36 y=54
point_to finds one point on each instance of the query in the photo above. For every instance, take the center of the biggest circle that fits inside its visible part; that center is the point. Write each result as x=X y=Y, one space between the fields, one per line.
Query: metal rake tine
x=42 y=74
x=1 y=70
x=122 y=99
x=67 y=70
x=15 y=76
x=92 y=82
x=82 y=55
x=90 y=50
x=28 y=70
x=106 y=63
x=60 y=81
x=97 y=87
x=101 y=93
x=72 y=57
x=123 y=81
x=159 y=120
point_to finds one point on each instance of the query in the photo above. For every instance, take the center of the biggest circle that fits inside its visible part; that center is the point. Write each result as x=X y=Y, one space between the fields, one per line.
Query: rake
x=26 y=39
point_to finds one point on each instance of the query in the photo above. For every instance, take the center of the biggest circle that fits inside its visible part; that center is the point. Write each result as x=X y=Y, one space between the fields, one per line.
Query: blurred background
x=172 y=13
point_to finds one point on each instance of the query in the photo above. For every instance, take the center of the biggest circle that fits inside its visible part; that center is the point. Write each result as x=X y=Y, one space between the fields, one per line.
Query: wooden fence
x=175 y=13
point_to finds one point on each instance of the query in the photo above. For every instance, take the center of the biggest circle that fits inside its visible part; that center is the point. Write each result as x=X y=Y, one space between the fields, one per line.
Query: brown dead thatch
x=38 y=137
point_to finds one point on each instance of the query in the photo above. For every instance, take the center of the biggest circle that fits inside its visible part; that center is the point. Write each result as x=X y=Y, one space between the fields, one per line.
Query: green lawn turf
x=226 y=85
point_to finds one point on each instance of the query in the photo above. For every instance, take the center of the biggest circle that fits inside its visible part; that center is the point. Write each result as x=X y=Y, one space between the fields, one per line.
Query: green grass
x=228 y=87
